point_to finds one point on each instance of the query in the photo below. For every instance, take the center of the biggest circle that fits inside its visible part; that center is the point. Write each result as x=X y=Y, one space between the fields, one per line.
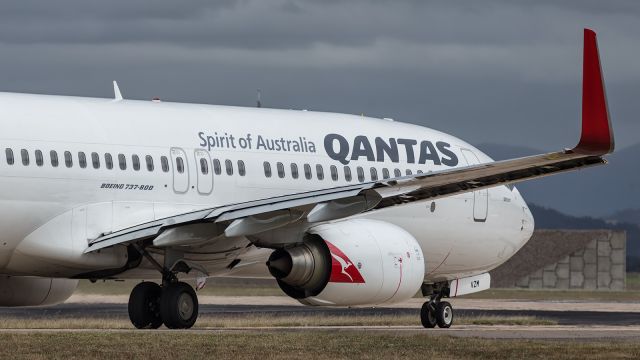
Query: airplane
x=342 y=210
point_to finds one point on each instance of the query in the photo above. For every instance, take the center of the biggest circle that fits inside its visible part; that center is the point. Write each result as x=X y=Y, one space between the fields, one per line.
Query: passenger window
x=307 y=172
x=122 y=161
x=280 y=167
x=374 y=174
x=204 y=166
x=267 y=169
x=228 y=165
x=217 y=169
x=108 y=161
x=165 y=163
x=360 y=174
x=136 y=162
x=409 y=172
x=180 y=165
x=39 y=158
x=385 y=173
x=397 y=173
x=95 y=160
x=149 y=160
x=334 y=172
x=82 y=159
x=9 y=154
x=319 y=172
x=54 y=158
x=242 y=170
x=347 y=173
x=294 y=170
x=68 y=160
x=24 y=154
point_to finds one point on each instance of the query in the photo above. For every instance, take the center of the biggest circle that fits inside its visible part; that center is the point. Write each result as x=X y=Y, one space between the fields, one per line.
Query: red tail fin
x=597 y=135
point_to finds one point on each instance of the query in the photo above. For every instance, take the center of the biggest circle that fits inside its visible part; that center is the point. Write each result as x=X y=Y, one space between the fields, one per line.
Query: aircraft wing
x=255 y=217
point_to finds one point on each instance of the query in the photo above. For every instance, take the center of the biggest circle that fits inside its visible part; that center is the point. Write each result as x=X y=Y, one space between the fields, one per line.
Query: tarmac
x=580 y=320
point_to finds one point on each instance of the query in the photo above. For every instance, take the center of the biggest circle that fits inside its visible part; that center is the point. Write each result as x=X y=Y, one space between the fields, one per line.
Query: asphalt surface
x=568 y=318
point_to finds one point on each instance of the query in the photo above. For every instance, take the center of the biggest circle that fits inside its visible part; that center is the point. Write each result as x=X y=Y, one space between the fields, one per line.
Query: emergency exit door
x=180 y=167
x=480 y=197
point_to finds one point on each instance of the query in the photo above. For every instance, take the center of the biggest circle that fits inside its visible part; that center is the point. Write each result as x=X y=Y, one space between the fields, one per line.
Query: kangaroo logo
x=342 y=268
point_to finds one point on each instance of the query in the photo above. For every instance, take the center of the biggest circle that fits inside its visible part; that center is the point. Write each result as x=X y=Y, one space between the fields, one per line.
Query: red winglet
x=597 y=135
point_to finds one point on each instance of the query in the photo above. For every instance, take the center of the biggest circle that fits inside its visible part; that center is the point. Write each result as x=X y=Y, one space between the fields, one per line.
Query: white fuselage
x=48 y=212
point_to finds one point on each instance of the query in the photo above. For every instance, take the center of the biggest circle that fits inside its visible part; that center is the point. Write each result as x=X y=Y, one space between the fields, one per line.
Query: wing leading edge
x=307 y=208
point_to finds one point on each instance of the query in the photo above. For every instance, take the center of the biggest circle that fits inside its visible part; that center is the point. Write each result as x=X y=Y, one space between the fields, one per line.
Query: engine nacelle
x=34 y=291
x=353 y=262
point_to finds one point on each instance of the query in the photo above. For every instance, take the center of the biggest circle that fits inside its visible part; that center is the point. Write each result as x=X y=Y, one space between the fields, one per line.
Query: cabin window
x=204 y=166
x=24 y=154
x=347 y=173
x=319 y=172
x=228 y=165
x=280 y=168
x=242 y=170
x=180 y=165
x=397 y=173
x=374 y=174
x=54 y=158
x=136 y=162
x=334 y=172
x=307 y=172
x=294 y=170
x=9 y=153
x=108 y=161
x=122 y=160
x=149 y=160
x=217 y=169
x=360 y=171
x=95 y=160
x=82 y=159
x=267 y=169
x=39 y=158
x=409 y=172
x=385 y=173
x=68 y=160
x=165 y=163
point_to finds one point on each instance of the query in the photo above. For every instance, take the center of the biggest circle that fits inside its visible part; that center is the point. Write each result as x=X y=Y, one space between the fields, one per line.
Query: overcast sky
x=491 y=71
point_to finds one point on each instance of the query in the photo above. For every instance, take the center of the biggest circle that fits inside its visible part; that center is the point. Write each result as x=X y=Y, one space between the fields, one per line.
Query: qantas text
x=343 y=150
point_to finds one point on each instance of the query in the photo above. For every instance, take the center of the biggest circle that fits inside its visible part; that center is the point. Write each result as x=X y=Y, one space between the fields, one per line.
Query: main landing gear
x=435 y=311
x=174 y=304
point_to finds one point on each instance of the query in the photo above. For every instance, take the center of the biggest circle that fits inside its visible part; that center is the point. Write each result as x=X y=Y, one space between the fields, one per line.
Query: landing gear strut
x=435 y=311
x=175 y=303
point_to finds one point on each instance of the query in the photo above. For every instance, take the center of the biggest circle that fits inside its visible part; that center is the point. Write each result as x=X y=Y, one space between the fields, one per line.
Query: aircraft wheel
x=444 y=314
x=144 y=306
x=179 y=306
x=427 y=316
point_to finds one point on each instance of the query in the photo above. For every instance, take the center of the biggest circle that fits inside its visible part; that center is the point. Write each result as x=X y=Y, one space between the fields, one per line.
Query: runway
x=576 y=325
x=568 y=318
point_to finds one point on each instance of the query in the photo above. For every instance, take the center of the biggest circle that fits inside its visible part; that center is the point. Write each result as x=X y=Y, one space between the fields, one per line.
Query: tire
x=427 y=317
x=444 y=314
x=179 y=306
x=144 y=306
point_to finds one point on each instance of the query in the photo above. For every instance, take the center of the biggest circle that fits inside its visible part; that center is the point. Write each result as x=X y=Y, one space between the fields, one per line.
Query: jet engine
x=34 y=291
x=353 y=262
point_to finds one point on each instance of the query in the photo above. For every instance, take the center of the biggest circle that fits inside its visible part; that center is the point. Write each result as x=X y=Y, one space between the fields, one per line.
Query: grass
x=296 y=345
x=262 y=320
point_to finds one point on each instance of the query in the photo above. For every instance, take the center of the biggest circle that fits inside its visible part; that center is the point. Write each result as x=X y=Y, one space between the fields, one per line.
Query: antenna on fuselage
x=116 y=91
x=259 y=102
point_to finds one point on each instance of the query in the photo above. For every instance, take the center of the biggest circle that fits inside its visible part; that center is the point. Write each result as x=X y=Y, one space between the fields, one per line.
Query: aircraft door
x=480 y=197
x=180 y=170
x=204 y=171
